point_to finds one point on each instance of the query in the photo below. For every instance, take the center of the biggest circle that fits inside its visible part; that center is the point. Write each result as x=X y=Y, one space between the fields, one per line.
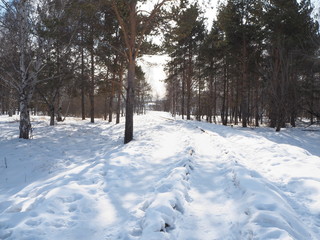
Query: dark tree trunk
x=111 y=105
x=244 y=112
x=119 y=93
x=225 y=122
x=188 y=98
x=211 y=97
x=244 y=84
x=59 y=111
x=92 y=86
x=128 y=136
x=183 y=93
x=105 y=108
x=293 y=120
x=83 y=111
x=118 y=108
x=189 y=83
x=257 y=115
x=224 y=99
x=112 y=91
x=51 y=109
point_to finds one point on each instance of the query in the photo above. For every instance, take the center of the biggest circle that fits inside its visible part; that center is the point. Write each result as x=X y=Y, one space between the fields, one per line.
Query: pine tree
x=291 y=33
x=183 y=45
x=135 y=26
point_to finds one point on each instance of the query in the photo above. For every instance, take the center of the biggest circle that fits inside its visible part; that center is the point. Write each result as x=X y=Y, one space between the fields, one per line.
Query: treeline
x=259 y=63
x=74 y=57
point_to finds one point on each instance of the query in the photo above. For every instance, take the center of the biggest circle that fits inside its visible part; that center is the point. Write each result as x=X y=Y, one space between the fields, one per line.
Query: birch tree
x=20 y=27
x=25 y=55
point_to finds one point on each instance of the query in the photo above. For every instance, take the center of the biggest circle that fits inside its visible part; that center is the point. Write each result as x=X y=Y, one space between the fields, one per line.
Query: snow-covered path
x=178 y=180
x=237 y=202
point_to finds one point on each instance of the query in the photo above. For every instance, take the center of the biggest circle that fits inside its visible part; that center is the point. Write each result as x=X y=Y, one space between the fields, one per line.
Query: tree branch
x=146 y=25
x=123 y=28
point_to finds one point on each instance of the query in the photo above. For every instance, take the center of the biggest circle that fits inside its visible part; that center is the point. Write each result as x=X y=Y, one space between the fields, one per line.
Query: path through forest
x=178 y=180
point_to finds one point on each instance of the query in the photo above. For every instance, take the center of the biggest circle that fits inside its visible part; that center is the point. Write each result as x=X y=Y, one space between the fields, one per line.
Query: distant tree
x=292 y=32
x=58 y=31
x=212 y=57
x=143 y=91
x=183 y=43
x=260 y=58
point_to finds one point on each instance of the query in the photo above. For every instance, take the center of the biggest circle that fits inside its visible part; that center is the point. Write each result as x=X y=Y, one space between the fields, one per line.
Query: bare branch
x=12 y=82
x=116 y=49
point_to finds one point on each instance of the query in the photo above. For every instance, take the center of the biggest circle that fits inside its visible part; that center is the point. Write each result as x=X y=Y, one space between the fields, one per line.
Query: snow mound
x=171 y=194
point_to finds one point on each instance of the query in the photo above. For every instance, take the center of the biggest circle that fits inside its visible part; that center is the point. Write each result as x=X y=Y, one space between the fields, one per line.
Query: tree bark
x=27 y=78
x=183 y=91
x=92 y=83
x=128 y=136
x=51 y=115
x=25 y=124
x=111 y=103
x=119 y=93
x=83 y=111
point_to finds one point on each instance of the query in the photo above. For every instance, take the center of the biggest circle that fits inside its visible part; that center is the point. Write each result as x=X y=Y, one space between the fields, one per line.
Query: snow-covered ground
x=178 y=180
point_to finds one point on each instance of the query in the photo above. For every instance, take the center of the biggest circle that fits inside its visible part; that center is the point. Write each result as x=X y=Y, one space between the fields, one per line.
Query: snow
x=178 y=180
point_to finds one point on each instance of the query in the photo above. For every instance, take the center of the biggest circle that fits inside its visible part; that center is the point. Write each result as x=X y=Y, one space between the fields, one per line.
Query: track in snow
x=178 y=180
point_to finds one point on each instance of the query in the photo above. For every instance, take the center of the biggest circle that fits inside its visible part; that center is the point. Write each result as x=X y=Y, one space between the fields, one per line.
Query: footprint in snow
x=33 y=222
x=73 y=208
x=266 y=207
x=70 y=199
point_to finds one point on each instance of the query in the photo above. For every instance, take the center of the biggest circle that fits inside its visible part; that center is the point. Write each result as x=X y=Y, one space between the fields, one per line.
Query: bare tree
x=21 y=28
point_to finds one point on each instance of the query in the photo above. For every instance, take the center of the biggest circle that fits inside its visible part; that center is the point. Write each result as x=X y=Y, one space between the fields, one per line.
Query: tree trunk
x=128 y=135
x=83 y=111
x=183 y=92
x=51 y=109
x=189 y=82
x=92 y=86
x=188 y=98
x=105 y=108
x=244 y=84
x=119 y=93
x=26 y=83
x=59 y=114
x=111 y=104
x=112 y=90
x=59 y=111
x=25 y=124
x=244 y=112
x=224 y=98
x=199 y=96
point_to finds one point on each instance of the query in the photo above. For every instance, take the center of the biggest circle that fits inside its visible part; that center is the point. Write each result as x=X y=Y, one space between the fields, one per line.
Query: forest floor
x=178 y=180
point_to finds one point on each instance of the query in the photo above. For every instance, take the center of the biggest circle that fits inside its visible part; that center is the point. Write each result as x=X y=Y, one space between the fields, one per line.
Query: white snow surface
x=177 y=180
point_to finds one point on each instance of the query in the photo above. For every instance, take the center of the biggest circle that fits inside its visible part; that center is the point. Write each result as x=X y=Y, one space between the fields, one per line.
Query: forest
x=229 y=151
x=259 y=63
